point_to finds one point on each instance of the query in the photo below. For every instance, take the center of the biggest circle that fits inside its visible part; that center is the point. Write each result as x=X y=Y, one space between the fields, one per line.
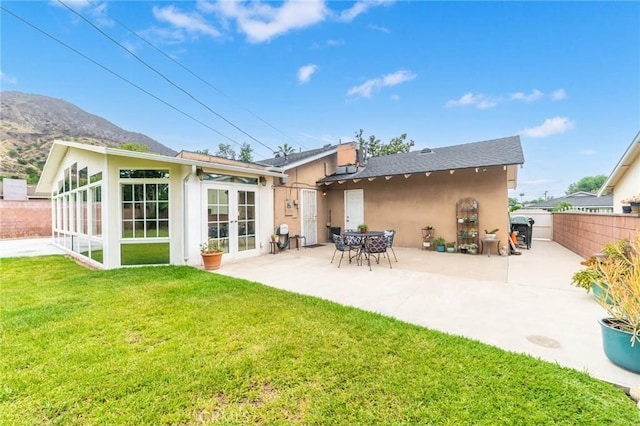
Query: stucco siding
x=408 y=204
x=627 y=186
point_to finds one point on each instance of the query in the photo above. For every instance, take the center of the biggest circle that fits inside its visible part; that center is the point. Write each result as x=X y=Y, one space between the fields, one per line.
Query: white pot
x=426 y=244
x=490 y=236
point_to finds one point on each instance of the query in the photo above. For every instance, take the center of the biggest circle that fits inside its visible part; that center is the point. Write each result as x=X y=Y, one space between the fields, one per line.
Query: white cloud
x=558 y=95
x=8 y=79
x=588 y=152
x=379 y=28
x=262 y=22
x=366 y=89
x=551 y=126
x=480 y=101
x=359 y=8
x=191 y=22
x=96 y=10
x=533 y=96
x=305 y=72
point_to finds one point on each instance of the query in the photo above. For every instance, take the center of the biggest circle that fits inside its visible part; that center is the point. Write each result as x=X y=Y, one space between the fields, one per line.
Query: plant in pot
x=439 y=242
x=621 y=329
x=211 y=254
x=591 y=278
x=363 y=228
x=491 y=234
x=451 y=247
x=472 y=248
x=633 y=203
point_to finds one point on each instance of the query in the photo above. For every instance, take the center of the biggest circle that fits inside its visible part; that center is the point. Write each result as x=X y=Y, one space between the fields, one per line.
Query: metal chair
x=340 y=246
x=355 y=244
x=390 y=234
x=373 y=247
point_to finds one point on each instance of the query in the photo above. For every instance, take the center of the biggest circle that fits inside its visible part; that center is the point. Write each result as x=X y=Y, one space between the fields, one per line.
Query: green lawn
x=175 y=345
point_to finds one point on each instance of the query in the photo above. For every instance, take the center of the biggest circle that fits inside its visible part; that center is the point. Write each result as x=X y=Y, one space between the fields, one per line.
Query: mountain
x=30 y=123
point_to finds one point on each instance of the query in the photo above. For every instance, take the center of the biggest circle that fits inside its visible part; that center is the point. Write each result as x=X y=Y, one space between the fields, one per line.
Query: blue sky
x=565 y=76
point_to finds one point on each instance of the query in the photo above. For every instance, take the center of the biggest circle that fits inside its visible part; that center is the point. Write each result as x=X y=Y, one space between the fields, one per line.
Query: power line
x=167 y=79
x=157 y=49
x=116 y=74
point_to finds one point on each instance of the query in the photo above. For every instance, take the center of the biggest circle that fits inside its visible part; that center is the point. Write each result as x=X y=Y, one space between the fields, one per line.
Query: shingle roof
x=495 y=152
x=295 y=157
x=578 y=199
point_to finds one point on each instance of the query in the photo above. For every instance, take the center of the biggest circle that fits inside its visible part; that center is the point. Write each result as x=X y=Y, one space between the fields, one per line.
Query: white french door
x=309 y=215
x=231 y=218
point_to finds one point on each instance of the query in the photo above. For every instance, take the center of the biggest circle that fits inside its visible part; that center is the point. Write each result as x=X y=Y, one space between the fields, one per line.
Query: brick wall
x=25 y=219
x=586 y=233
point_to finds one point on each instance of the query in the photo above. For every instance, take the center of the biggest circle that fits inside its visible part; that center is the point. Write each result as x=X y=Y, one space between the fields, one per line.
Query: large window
x=77 y=206
x=144 y=210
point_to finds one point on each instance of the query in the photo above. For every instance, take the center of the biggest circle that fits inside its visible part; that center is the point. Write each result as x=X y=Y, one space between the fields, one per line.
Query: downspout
x=185 y=222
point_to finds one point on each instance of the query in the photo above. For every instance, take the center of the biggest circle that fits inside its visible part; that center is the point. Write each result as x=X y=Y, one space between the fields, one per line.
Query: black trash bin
x=333 y=230
x=524 y=226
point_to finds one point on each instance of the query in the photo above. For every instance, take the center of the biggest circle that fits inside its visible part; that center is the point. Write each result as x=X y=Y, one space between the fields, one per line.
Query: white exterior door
x=309 y=209
x=231 y=216
x=353 y=208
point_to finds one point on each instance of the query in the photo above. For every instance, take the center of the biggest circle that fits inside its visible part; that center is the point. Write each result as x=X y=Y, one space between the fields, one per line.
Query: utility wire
x=157 y=49
x=116 y=74
x=167 y=79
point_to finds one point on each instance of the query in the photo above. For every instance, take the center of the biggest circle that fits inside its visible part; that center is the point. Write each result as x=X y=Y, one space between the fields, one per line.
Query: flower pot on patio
x=617 y=346
x=211 y=261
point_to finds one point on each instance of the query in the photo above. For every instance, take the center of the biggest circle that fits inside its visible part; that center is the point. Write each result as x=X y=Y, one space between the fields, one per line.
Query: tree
x=134 y=146
x=246 y=153
x=225 y=151
x=285 y=150
x=203 y=151
x=587 y=184
x=375 y=148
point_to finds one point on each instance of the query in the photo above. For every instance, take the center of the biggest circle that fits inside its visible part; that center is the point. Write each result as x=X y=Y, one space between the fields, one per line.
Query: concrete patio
x=520 y=303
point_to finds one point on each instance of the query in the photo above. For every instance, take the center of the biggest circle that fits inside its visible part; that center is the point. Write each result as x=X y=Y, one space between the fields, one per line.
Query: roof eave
x=627 y=159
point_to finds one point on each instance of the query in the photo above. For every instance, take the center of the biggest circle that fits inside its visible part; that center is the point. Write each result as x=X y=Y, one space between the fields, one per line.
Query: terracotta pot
x=211 y=261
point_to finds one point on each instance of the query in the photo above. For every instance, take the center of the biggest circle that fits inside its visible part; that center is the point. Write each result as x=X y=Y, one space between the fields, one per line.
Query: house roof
x=297 y=159
x=628 y=158
x=578 y=199
x=60 y=148
x=496 y=152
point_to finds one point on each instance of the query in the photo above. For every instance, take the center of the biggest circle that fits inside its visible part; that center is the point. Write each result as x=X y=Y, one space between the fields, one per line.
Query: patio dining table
x=362 y=237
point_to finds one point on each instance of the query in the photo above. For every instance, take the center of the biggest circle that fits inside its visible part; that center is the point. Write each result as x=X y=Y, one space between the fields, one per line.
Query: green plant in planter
x=363 y=227
x=621 y=274
x=439 y=242
x=592 y=274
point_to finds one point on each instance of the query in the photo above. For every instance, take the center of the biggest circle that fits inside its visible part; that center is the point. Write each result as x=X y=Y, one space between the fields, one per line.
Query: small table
x=274 y=247
x=489 y=242
x=298 y=238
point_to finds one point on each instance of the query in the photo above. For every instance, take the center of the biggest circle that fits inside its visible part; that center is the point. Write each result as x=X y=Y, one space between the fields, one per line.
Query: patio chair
x=375 y=246
x=340 y=246
x=355 y=244
x=390 y=234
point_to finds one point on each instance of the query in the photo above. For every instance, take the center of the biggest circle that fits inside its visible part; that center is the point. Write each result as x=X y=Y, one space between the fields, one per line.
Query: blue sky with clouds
x=565 y=76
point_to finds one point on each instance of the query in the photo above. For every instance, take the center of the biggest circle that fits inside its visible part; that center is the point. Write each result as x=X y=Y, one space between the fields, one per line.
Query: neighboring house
x=404 y=191
x=580 y=201
x=116 y=208
x=624 y=180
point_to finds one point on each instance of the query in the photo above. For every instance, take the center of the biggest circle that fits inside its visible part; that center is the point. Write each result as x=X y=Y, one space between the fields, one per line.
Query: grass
x=176 y=345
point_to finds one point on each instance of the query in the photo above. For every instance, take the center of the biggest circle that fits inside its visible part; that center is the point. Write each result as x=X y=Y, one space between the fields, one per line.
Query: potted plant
x=621 y=329
x=363 y=227
x=591 y=278
x=490 y=234
x=633 y=202
x=463 y=248
x=451 y=247
x=439 y=242
x=211 y=254
x=472 y=248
